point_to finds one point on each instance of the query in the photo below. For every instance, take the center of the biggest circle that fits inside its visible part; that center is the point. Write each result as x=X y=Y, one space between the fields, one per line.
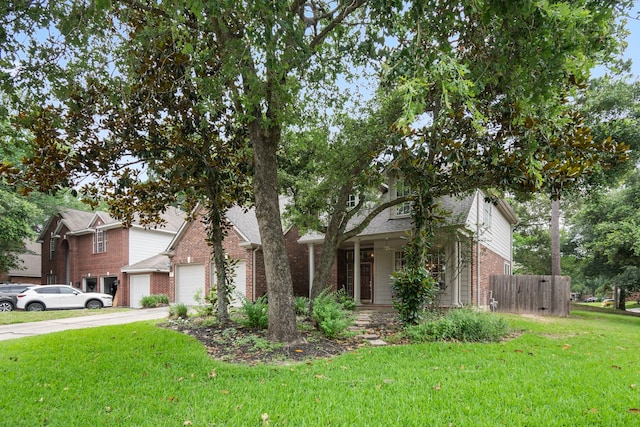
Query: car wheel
x=6 y=306
x=35 y=306
x=94 y=304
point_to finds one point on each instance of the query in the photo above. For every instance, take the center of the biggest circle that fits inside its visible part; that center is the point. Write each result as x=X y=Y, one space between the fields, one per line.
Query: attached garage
x=239 y=282
x=190 y=278
x=140 y=286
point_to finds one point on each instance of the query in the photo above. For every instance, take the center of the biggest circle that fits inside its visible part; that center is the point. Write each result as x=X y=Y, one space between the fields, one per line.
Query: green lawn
x=583 y=371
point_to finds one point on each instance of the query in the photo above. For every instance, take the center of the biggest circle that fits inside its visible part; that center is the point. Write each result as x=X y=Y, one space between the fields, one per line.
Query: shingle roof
x=159 y=263
x=31 y=261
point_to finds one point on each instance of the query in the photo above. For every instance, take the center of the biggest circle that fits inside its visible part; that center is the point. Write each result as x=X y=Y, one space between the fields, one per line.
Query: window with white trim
x=488 y=214
x=353 y=201
x=402 y=190
x=507 y=268
x=100 y=241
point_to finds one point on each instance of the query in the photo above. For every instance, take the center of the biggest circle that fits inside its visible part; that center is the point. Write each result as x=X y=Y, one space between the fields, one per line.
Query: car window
x=68 y=290
x=48 y=290
x=12 y=289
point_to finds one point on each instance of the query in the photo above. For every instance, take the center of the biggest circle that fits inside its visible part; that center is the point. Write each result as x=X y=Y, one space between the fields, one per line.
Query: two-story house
x=95 y=252
x=474 y=243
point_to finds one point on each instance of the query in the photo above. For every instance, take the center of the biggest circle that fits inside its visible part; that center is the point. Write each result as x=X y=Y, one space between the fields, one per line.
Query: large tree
x=607 y=235
x=489 y=80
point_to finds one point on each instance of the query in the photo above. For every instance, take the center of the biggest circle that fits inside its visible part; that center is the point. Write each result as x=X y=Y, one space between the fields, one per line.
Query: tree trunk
x=555 y=238
x=217 y=237
x=282 y=316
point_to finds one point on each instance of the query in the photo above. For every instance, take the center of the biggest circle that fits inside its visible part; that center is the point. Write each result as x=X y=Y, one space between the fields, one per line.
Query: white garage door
x=140 y=286
x=189 y=279
x=239 y=283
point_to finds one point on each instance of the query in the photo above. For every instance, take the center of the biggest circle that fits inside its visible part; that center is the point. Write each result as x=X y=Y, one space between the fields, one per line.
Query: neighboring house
x=192 y=268
x=30 y=266
x=94 y=252
x=473 y=244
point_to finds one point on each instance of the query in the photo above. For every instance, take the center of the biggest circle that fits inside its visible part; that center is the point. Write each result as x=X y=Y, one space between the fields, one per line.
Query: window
x=353 y=201
x=507 y=268
x=100 y=241
x=51 y=279
x=399 y=261
x=403 y=190
x=488 y=214
x=52 y=247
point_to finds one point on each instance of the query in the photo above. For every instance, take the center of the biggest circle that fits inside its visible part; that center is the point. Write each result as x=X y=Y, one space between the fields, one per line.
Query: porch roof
x=157 y=263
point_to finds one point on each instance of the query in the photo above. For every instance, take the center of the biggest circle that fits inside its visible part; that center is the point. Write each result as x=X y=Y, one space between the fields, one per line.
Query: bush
x=178 y=311
x=465 y=325
x=347 y=302
x=302 y=306
x=152 y=301
x=330 y=317
x=256 y=313
x=413 y=289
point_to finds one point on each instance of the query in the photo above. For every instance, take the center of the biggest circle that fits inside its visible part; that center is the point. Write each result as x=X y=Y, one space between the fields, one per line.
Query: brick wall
x=490 y=263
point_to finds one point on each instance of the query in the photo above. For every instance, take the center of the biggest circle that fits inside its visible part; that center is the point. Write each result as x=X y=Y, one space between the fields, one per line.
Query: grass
x=582 y=371
x=18 y=316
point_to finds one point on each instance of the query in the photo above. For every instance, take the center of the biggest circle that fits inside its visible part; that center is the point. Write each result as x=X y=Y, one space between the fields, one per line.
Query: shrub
x=413 y=289
x=465 y=325
x=178 y=311
x=346 y=301
x=256 y=313
x=302 y=306
x=331 y=318
x=152 y=301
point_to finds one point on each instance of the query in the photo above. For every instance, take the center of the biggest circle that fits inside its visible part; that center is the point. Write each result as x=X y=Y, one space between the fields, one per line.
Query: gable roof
x=458 y=209
x=83 y=222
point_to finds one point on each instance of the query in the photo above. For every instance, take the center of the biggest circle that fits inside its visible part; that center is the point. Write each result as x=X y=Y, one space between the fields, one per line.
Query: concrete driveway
x=20 y=330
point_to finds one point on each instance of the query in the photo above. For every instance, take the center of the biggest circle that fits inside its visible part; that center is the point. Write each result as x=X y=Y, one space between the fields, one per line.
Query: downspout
x=253 y=278
x=312 y=265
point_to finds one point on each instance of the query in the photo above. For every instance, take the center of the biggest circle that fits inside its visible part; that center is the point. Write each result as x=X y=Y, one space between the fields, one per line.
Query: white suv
x=51 y=297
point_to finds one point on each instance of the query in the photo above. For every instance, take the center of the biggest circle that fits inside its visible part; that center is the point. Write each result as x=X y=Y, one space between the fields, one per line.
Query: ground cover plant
x=580 y=371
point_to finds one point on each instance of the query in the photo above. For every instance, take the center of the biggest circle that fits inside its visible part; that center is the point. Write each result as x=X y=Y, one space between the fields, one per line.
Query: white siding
x=383 y=266
x=145 y=244
x=497 y=237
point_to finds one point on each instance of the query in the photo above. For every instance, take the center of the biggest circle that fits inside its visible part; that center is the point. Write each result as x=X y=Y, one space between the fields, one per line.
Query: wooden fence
x=541 y=295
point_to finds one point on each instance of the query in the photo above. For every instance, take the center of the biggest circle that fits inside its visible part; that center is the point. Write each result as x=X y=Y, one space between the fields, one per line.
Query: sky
x=633 y=49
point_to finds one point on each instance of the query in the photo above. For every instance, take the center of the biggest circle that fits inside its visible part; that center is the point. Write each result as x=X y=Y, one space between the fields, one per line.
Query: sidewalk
x=20 y=330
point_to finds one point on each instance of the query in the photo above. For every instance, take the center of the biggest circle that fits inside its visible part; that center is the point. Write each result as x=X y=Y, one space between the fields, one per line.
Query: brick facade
x=490 y=264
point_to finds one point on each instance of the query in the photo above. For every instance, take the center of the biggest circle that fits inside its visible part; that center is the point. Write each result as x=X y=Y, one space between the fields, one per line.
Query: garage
x=140 y=286
x=240 y=283
x=189 y=280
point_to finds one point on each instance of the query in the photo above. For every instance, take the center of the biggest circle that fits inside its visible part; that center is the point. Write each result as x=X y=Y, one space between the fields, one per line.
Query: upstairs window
x=353 y=201
x=100 y=241
x=403 y=190
x=52 y=247
x=488 y=214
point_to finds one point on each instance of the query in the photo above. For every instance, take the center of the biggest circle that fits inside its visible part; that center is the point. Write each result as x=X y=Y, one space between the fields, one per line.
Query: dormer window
x=403 y=190
x=353 y=201
x=100 y=241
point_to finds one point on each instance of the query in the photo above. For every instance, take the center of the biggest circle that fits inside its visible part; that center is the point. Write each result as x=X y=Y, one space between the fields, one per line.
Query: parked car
x=591 y=299
x=55 y=297
x=8 y=294
x=607 y=302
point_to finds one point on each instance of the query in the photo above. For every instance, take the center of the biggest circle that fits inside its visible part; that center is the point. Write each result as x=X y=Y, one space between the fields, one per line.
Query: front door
x=366 y=282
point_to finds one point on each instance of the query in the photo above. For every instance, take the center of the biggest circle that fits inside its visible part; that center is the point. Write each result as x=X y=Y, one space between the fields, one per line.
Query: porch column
x=312 y=266
x=455 y=296
x=356 y=272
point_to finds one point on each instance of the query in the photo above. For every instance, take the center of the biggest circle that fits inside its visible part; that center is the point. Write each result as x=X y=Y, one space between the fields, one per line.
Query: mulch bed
x=238 y=344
